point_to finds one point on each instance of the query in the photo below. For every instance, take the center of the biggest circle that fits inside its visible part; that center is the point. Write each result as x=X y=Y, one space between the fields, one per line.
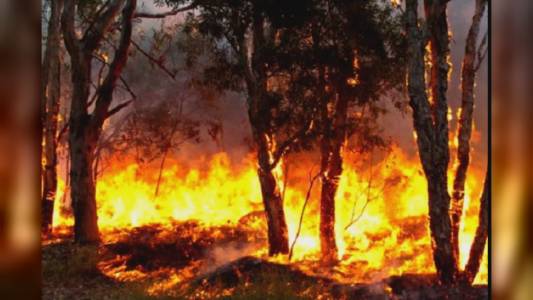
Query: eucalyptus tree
x=50 y=97
x=357 y=48
x=95 y=20
x=243 y=37
x=432 y=129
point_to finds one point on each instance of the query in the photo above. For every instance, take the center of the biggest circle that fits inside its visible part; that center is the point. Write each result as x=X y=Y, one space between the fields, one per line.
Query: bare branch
x=157 y=62
x=121 y=78
x=283 y=147
x=105 y=92
x=63 y=131
x=368 y=189
x=118 y=108
x=101 y=24
x=481 y=52
x=285 y=180
x=172 y=12
x=312 y=180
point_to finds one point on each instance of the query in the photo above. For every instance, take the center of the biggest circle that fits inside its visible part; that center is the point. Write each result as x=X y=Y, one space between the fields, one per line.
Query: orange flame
x=389 y=237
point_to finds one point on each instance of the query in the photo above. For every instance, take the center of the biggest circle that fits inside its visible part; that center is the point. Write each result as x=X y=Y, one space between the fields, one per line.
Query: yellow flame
x=390 y=235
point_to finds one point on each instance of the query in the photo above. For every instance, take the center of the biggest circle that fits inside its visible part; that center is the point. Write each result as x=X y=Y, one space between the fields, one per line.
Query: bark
x=331 y=164
x=468 y=75
x=85 y=128
x=259 y=117
x=278 y=241
x=480 y=239
x=51 y=94
x=431 y=126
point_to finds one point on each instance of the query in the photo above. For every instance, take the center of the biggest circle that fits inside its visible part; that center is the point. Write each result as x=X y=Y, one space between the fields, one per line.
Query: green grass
x=70 y=272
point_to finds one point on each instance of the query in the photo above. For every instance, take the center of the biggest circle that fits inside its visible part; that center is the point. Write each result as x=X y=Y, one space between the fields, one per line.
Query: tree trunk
x=430 y=123
x=51 y=94
x=468 y=77
x=332 y=142
x=480 y=239
x=83 y=189
x=82 y=143
x=85 y=128
x=278 y=241
x=259 y=116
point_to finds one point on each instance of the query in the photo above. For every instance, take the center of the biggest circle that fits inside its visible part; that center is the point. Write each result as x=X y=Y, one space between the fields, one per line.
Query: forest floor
x=188 y=261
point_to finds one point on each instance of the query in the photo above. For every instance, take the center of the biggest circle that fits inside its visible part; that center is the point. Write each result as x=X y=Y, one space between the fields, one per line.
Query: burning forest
x=264 y=150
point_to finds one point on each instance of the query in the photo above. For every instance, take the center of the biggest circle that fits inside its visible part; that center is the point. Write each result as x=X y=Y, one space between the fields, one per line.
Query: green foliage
x=301 y=37
x=155 y=129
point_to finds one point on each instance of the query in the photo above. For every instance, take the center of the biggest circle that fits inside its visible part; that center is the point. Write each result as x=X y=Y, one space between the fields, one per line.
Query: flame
x=389 y=237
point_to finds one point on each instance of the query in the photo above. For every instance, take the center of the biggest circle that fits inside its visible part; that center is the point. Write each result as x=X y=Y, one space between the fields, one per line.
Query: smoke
x=223 y=254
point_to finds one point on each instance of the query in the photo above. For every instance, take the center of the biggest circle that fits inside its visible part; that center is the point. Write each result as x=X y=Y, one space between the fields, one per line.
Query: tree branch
x=105 y=92
x=368 y=189
x=121 y=78
x=312 y=180
x=172 y=12
x=96 y=31
x=118 y=108
x=280 y=151
x=481 y=52
x=69 y=33
x=157 y=62
x=63 y=131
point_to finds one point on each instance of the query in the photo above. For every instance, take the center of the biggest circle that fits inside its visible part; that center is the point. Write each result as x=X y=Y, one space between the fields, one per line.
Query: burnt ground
x=210 y=263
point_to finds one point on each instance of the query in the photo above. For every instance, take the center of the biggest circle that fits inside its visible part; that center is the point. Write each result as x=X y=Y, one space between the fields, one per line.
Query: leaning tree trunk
x=480 y=239
x=51 y=94
x=468 y=76
x=430 y=123
x=331 y=164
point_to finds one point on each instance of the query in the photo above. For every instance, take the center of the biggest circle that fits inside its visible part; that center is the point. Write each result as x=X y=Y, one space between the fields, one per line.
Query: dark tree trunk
x=464 y=134
x=51 y=94
x=278 y=241
x=439 y=198
x=82 y=143
x=333 y=139
x=480 y=239
x=259 y=116
x=83 y=190
x=430 y=123
x=85 y=128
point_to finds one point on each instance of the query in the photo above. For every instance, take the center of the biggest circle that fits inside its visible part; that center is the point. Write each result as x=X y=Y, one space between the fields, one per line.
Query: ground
x=188 y=261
